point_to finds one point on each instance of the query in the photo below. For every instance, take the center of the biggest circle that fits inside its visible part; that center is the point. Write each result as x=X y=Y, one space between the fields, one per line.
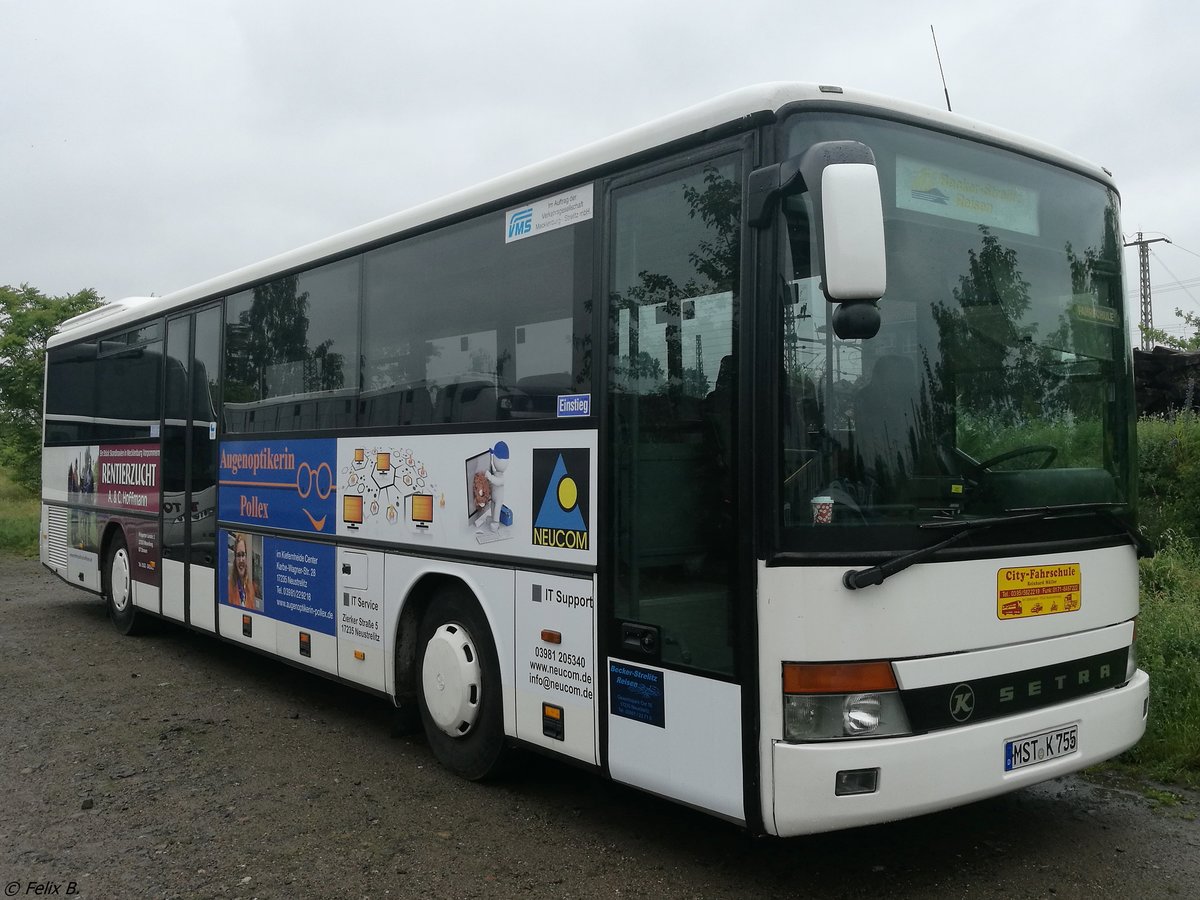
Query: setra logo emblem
x=962 y=703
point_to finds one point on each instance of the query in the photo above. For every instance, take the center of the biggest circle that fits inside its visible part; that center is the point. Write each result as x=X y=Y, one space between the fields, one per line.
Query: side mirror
x=841 y=179
x=852 y=227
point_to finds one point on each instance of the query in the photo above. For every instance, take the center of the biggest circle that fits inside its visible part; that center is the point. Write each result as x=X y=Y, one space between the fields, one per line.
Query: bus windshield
x=999 y=379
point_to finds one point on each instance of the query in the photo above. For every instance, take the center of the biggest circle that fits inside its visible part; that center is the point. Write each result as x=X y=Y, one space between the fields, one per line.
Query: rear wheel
x=462 y=710
x=118 y=588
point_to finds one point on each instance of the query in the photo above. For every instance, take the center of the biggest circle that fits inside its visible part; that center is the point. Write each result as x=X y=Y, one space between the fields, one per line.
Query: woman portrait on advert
x=242 y=589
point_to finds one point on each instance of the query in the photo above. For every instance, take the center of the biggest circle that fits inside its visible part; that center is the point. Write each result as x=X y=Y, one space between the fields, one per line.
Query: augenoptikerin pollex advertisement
x=279 y=484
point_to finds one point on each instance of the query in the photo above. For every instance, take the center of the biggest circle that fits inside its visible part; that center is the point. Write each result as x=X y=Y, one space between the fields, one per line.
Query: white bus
x=776 y=458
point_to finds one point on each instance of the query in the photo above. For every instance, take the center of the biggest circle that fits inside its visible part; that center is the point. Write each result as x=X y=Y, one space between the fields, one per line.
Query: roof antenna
x=940 y=69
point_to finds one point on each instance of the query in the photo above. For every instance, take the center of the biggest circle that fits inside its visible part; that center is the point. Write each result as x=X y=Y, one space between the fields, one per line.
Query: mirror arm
x=795 y=174
x=762 y=193
x=767 y=185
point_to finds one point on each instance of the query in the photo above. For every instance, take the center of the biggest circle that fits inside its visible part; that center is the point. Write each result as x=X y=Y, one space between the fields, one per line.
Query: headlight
x=861 y=713
x=833 y=702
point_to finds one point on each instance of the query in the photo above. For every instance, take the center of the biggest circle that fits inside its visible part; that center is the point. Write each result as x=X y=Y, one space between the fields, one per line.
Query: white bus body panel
x=146 y=596
x=83 y=569
x=805 y=614
x=938 y=622
x=359 y=611
x=202 y=605
x=172 y=589
x=561 y=673
x=323 y=648
x=695 y=757
x=934 y=670
x=262 y=629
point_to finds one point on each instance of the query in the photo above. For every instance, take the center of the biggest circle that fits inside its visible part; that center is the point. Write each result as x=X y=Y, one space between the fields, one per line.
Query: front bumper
x=928 y=772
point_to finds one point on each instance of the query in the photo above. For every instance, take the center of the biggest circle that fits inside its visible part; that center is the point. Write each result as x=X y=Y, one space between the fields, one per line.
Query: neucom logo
x=560 y=495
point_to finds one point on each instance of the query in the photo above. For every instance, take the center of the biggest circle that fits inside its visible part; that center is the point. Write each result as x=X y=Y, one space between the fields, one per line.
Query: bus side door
x=189 y=461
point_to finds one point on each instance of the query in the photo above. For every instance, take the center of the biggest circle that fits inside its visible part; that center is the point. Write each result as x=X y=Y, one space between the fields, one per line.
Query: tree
x=27 y=319
x=993 y=357
x=1178 y=342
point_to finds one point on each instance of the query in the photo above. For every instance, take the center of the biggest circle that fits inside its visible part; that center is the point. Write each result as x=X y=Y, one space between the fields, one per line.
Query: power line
x=1177 y=281
x=1167 y=286
x=1186 y=250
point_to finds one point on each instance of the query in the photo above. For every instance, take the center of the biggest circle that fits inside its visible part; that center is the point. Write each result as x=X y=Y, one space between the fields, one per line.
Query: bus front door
x=189 y=462
x=674 y=718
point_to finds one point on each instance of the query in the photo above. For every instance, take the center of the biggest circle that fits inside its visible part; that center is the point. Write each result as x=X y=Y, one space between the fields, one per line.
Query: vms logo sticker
x=560 y=495
x=520 y=224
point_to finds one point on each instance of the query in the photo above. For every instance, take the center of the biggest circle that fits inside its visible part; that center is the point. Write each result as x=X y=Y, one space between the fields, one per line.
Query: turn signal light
x=837 y=678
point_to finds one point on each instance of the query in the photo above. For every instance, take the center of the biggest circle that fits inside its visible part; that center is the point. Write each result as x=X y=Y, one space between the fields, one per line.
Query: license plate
x=1037 y=748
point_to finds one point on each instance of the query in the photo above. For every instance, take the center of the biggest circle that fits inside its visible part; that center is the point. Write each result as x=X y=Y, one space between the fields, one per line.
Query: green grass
x=20 y=516
x=1169 y=475
x=1168 y=647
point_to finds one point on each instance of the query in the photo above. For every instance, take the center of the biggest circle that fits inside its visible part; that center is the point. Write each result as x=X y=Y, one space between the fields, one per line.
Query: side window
x=107 y=390
x=673 y=364
x=460 y=326
x=70 y=394
x=291 y=352
x=127 y=395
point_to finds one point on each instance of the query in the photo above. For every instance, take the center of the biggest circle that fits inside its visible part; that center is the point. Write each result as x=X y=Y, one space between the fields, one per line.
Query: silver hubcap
x=451 y=680
x=118 y=580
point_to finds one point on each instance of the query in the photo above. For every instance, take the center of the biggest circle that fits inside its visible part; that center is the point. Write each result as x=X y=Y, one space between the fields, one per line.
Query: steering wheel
x=791 y=456
x=1029 y=449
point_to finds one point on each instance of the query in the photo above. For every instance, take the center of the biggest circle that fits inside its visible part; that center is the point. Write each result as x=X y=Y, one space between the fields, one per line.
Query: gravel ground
x=177 y=766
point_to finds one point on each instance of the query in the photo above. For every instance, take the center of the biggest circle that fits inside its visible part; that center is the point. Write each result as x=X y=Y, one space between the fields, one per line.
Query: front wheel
x=118 y=588
x=462 y=710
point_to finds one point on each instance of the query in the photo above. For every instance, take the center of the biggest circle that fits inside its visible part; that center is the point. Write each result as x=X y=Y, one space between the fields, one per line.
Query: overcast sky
x=149 y=145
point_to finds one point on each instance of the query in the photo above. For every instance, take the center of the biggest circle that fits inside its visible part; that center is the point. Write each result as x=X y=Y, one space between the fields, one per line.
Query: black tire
x=118 y=588
x=464 y=725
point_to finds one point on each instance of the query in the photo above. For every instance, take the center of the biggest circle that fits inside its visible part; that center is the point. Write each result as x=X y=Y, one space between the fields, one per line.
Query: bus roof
x=724 y=110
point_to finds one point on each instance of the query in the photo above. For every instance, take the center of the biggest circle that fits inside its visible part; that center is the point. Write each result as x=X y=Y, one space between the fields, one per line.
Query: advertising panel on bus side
x=100 y=482
x=528 y=495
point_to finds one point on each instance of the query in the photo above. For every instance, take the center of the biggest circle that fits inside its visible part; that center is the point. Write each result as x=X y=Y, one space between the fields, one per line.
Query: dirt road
x=178 y=766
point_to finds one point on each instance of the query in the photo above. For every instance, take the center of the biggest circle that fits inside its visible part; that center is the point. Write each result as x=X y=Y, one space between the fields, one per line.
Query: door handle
x=640 y=640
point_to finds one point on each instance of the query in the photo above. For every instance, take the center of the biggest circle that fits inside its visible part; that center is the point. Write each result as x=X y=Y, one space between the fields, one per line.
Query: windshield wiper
x=853 y=579
x=1107 y=511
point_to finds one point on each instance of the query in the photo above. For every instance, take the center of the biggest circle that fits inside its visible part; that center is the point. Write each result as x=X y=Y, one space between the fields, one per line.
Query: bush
x=20 y=517
x=1169 y=477
x=1168 y=646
